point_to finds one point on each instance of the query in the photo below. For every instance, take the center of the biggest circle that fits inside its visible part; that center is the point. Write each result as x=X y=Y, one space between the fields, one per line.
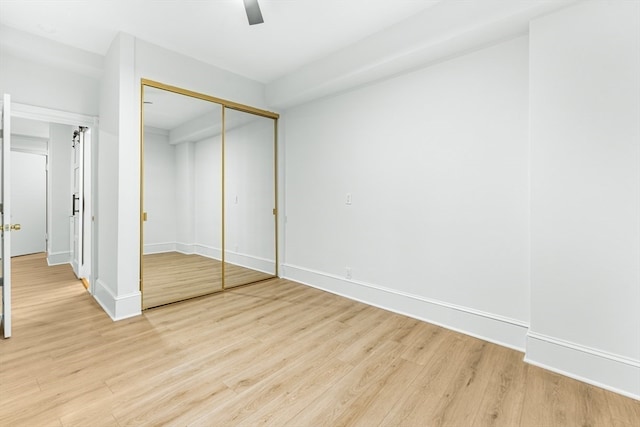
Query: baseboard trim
x=602 y=369
x=185 y=248
x=58 y=258
x=117 y=307
x=497 y=329
x=208 y=251
x=157 y=248
x=248 y=261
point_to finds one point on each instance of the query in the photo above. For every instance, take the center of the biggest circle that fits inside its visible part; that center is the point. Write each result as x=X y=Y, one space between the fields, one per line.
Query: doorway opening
x=50 y=197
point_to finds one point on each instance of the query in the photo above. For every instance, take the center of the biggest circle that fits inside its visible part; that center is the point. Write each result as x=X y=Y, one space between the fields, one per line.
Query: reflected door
x=250 y=198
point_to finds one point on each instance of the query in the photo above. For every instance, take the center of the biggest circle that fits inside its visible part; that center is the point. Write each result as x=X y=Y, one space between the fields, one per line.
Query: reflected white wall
x=159 y=192
x=208 y=197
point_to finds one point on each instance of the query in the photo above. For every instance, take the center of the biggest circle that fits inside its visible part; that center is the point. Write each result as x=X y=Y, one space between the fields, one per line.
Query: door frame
x=5 y=240
x=49 y=115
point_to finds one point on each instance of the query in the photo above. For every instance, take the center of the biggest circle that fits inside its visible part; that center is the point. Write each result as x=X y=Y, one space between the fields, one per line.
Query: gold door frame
x=224 y=104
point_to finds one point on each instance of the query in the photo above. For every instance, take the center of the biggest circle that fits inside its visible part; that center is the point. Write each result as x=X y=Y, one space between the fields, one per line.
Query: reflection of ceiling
x=185 y=118
x=168 y=110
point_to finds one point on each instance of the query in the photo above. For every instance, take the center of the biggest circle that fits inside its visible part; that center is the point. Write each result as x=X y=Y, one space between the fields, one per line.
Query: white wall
x=159 y=192
x=60 y=159
x=585 y=164
x=36 y=83
x=436 y=164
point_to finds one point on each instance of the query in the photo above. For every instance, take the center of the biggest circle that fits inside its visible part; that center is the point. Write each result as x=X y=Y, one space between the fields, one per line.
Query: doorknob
x=16 y=227
x=7 y=227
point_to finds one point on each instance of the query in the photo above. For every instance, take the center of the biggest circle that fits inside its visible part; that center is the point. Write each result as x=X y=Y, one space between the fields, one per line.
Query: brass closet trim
x=224 y=103
x=142 y=215
x=222 y=155
x=221 y=101
x=275 y=190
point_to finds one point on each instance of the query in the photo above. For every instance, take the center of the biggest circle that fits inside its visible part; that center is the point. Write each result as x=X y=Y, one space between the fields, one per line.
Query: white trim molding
x=185 y=248
x=57 y=258
x=118 y=307
x=600 y=368
x=249 y=261
x=49 y=115
x=208 y=251
x=158 y=248
x=486 y=326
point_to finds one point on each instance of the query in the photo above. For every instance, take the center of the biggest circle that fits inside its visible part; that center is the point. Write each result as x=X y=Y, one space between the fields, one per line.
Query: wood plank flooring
x=173 y=276
x=278 y=354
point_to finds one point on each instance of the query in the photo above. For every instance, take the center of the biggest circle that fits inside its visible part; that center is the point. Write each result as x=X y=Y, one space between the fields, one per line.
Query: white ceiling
x=295 y=32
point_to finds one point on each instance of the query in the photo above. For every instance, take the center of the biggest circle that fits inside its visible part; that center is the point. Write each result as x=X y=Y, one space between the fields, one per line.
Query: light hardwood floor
x=172 y=276
x=277 y=353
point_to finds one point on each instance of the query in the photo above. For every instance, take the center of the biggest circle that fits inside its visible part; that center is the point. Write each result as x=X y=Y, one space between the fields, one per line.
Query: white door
x=77 y=202
x=5 y=201
x=28 y=202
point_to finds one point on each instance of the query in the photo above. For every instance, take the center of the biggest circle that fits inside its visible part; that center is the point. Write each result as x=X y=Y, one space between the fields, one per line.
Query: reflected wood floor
x=173 y=276
x=278 y=353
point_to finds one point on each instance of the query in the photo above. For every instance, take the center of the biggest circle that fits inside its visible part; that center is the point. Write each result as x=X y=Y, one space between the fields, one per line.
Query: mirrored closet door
x=208 y=195
x=249 y=182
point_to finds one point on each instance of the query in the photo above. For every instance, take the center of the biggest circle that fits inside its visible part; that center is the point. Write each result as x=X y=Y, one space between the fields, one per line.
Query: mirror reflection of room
x=183 y=228
x=249 y=199
x=182 y=197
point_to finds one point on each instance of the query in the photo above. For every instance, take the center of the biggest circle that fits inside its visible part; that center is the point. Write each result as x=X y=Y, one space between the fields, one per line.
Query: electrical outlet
x=348 y=198
x=348 y=273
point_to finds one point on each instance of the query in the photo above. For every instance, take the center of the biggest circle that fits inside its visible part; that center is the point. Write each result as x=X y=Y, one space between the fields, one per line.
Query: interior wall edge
x=118 y=307
x=57 y=258
x=105 y=298
x=583 y=364
x=510 y=333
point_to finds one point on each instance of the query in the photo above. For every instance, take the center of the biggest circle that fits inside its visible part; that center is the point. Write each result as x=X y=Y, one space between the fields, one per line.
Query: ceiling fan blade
x=253 y=12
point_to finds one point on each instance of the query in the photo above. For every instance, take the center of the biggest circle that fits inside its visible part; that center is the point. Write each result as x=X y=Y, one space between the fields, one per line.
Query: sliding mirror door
x=181 y=197
x=250 y=198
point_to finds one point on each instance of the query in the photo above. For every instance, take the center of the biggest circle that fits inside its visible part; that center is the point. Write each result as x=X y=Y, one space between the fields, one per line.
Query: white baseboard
x=185 y=248
x=117 y=307
x=487 y=326
x=157 y=248
x=57 y=258
x=208 y=251
x=609 y=371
